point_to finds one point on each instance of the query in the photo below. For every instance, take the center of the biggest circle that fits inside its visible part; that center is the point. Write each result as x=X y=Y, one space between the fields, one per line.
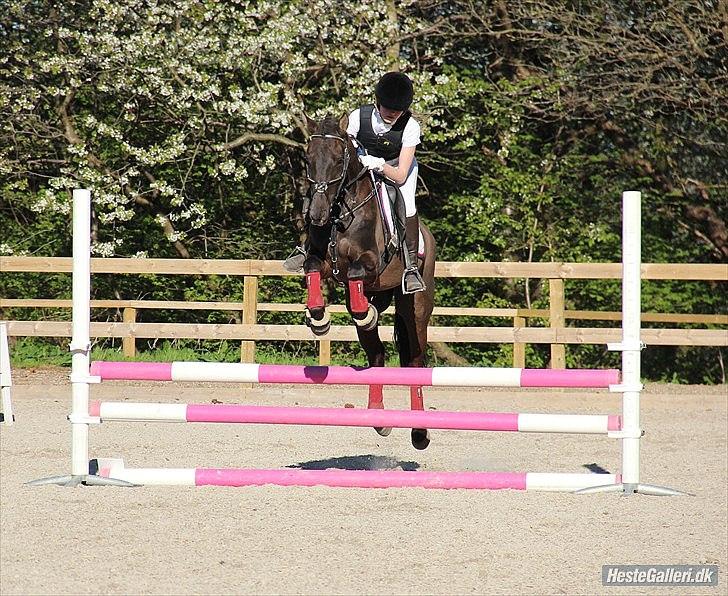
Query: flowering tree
x=177 y=111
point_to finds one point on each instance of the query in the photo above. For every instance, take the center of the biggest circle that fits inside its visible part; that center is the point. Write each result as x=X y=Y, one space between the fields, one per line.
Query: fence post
x=129 y=341
x=557 y=320
x=324 y=352
x=519 y=349
x=250 y=315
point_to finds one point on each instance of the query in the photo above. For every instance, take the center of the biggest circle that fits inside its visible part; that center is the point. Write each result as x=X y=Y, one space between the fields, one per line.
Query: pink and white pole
x=348 y=375
x=550 y=482
x=238 y=414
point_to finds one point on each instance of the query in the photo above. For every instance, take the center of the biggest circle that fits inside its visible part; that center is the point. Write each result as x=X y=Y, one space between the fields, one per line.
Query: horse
x=347 y=243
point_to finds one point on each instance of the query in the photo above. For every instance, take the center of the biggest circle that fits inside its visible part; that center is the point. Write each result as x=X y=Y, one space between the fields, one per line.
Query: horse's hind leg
x=413 y=313
x=420 y=436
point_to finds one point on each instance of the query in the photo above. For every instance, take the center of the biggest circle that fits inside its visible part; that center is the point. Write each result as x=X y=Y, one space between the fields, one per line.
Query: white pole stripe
x=120 y=411
x=234 y=372
x=156 y=476
x=475 y=377
x=563 y=423
x=564 y=482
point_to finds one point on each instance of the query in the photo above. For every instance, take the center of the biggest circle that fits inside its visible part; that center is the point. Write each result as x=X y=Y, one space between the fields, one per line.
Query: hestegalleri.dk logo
x=659 y=575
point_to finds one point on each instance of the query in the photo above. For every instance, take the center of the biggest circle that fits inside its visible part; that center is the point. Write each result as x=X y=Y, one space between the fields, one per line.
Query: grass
x=29 y=352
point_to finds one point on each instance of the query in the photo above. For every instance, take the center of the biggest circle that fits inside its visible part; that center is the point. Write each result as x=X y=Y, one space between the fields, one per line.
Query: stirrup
x=412 y=281
x=294 y=262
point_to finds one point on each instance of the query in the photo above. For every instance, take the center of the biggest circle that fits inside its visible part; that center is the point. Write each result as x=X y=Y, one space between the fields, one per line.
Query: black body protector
x=387 y=145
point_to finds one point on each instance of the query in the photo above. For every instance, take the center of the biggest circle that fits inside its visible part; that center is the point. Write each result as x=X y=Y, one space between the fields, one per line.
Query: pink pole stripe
x=132 y=371
x=344 y=375
x=535 y=377
x=360 y=478
x=614 y=422
x=495 y=421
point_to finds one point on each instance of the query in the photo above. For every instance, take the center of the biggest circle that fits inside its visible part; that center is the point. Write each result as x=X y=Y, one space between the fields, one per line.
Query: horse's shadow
x=381 y=462
x=358 y=462
x=596 y=468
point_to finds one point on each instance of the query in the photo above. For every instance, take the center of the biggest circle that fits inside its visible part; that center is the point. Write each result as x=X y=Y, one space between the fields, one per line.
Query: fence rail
x=557 y=334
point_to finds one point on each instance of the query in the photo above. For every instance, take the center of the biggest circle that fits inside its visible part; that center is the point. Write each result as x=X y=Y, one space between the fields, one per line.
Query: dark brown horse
x=347 y=242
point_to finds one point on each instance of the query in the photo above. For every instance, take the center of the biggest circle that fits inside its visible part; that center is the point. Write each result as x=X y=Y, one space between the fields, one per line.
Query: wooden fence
x=557 y=334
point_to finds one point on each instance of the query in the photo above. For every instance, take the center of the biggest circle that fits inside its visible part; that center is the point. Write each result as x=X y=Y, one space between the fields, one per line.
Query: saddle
x=392 y=211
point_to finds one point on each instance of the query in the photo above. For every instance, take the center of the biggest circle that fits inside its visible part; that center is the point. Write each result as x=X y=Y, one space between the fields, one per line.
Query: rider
x=390 y=135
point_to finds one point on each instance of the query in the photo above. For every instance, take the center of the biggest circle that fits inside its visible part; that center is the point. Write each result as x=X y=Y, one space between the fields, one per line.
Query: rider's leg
x=411 y=279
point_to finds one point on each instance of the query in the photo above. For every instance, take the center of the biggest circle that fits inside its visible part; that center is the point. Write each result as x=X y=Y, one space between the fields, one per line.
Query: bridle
x=338 y=203
x=321 y=186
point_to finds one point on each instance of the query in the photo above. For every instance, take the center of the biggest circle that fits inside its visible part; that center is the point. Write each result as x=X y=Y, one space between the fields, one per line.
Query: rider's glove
x=372 y=163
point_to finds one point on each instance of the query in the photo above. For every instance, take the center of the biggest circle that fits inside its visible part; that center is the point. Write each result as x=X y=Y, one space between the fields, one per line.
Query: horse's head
x=328 y=157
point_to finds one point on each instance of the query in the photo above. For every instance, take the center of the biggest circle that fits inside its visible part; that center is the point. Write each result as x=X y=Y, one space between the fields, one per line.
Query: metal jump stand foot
x=629 y=489
x=85 y=480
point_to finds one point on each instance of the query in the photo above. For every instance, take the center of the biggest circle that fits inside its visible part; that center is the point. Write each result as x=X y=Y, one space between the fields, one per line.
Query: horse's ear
x=311 y=125
x=344 y=122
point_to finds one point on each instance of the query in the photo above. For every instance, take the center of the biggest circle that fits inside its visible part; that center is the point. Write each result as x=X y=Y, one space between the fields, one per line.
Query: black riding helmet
x=394 y=91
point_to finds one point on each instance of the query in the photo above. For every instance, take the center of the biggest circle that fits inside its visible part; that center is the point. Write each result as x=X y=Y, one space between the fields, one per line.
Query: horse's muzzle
x=320 y=222
x=319 y=211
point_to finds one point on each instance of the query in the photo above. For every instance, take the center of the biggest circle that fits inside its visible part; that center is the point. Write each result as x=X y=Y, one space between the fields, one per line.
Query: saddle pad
x=386 y=204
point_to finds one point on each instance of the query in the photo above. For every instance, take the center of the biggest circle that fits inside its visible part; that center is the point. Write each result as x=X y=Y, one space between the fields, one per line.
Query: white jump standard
x=6 y=380
x=113 y=471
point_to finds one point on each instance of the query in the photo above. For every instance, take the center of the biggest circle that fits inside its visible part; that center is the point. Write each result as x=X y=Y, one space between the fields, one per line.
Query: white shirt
x=410 y=134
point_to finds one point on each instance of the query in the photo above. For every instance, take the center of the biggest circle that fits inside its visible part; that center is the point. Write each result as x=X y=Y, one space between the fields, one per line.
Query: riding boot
x=294 y=262
x=411 y=279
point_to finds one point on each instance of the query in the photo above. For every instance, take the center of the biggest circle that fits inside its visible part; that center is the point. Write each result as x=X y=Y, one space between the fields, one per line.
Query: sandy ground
x=274 y=540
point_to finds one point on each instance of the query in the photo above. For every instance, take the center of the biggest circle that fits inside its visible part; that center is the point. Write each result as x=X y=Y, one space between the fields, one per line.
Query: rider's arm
x=400 y=172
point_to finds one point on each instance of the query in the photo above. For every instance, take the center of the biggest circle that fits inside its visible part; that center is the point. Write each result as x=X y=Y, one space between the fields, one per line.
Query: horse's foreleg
x=317 y=318
x=375 y=352
x=417 y=401
x=376 y=402
x=365 y=315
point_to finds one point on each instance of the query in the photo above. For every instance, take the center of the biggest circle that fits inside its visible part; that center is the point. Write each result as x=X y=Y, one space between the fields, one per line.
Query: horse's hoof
x=370 y=320
x=318 y=326
x=383 y=431
x=320 y=329
x=420 y=438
